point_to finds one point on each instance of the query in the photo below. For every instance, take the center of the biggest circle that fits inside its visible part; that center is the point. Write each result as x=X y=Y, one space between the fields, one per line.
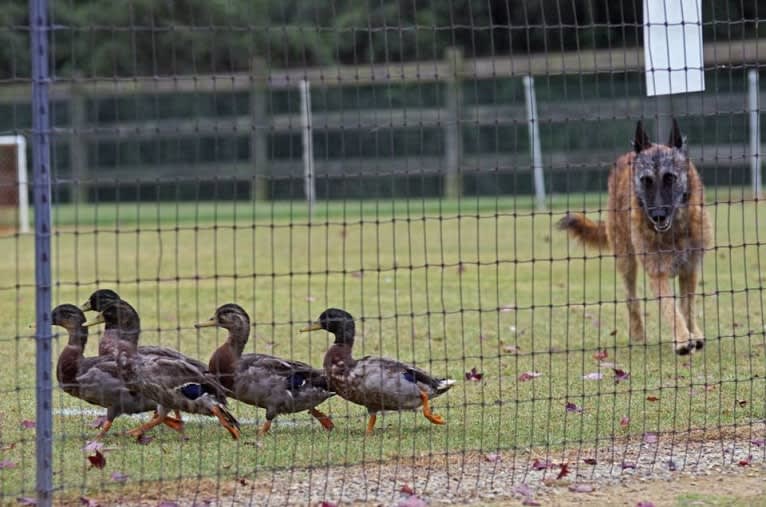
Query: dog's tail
x=590 y=233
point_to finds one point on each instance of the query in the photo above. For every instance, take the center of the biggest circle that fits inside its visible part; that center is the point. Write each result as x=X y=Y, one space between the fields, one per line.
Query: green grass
x=177 y=263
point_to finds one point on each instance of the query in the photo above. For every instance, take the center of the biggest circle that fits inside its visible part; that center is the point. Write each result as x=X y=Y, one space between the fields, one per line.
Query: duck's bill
x=85 y=306
x=98 y=319
x=313 y=327
x=206 y=323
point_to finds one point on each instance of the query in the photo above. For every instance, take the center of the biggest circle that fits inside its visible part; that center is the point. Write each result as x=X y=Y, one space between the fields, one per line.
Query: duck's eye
x=669 y=179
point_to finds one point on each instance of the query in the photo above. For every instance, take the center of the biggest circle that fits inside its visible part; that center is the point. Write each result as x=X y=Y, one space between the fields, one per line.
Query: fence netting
x=411 y=163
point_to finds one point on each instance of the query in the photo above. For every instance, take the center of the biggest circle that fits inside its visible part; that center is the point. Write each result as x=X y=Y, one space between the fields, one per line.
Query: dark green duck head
x=120 y=321
x=235 y=320
x=338 y=322
x=99 y=300
x=72 y=319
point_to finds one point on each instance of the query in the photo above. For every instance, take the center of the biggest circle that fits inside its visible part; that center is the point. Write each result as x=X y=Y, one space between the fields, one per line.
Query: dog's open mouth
x=663 y=226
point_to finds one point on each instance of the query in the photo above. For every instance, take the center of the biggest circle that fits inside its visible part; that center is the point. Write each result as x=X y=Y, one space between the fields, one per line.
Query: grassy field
x=486 y=284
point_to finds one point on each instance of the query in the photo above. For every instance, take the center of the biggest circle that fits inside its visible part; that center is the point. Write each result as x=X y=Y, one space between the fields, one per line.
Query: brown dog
x=656 y=215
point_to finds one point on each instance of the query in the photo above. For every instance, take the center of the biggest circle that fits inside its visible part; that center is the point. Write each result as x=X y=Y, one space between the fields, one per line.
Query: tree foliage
x=106 y=38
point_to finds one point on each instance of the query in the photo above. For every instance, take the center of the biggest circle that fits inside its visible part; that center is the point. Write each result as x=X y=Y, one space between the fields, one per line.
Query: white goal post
x=21 y=170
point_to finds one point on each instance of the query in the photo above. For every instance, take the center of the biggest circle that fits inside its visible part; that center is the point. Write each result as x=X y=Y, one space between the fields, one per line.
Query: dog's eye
x=647 y=181
x=669 y=179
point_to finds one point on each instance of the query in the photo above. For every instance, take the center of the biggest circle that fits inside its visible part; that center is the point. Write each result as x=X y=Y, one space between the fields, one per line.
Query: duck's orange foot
x=264 y=429
x=323 y=419
x=174 y=424
x=371 y=424
x=436 y=419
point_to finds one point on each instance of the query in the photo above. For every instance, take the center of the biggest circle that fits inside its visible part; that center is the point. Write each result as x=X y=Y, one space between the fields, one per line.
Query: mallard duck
x=278 y=385
x=96 y=379
x=173 y=382
x=377 y=383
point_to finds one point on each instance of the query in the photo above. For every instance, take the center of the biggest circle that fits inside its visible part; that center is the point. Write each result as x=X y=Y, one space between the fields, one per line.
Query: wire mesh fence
x=411 y=163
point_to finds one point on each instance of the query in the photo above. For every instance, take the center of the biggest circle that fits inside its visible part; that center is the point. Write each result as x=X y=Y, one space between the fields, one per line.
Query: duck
x=377 y=383
x=174 y=382
x=128 y=331
x=95 y=380
x=278 y=385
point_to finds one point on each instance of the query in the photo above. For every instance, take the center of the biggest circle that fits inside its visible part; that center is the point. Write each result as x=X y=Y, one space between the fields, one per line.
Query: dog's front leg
x=661 y=286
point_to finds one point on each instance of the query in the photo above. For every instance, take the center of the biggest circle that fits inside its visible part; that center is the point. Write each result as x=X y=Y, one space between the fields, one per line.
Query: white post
x=308 y=146
x=21 y=167
x=755 y=131
x=534 y=141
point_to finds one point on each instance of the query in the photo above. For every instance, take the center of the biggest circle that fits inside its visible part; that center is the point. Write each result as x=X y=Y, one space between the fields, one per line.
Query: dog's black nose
x=659 y=214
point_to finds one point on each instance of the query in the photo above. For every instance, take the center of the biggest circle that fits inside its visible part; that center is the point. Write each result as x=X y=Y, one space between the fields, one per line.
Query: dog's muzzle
x=661 y=217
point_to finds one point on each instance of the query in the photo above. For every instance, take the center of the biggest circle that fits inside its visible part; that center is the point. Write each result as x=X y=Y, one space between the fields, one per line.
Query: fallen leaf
x=511 y=349
x=243 y=481
x=613 y=333
x=119 y=477
x=531 y=502
x=581 y=488
x=741 y=403
x=492 y=457
x=600 y=355
x=650 y=438
x=539 y=464
x=625 y=421
x=406 y=489
x=626 y=465
x=25 y=500
x=98 y=422
x=620 y=375
x=144 y=439
x=506 y=308
x=563 y=471
x=571 y=407
x=310 y=299
x=357 y=274
x=27 y=424
x=528 y=375
x=97 y=460
x=413 y=501
x=6 y=463
x=652 y=398
x=473 y=375
x=523 y=490
x=93 y=445
x=644 y=503
x=460 y=268
x=745 y=462
x=596 y=375
x=325 y=503
x=758 y=442
x=8 y=447
x=590 y=461
x=88 y=502
x=167 y=503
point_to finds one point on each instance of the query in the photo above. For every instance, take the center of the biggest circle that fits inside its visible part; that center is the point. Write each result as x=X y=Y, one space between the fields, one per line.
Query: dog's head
x=660 y=177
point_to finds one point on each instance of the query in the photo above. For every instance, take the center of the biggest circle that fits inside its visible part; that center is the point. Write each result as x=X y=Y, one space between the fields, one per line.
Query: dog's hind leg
x=687 y=282
x=626 y=264
x=662 y=289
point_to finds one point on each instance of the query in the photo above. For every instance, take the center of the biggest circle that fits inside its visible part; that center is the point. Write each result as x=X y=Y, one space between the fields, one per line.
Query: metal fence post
x=534 y=141
x=453 y=136
x=259 y=129
x=78 y=152
x=41 y=158
x=308 y=145
x=755 y=132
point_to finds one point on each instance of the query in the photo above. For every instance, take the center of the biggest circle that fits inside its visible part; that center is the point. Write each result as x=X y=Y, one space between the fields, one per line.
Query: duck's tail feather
x=442 y=386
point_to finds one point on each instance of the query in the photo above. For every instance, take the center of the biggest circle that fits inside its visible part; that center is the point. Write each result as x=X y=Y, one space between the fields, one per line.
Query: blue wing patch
x=409 y=376
x=296 y=381
x=192 y=391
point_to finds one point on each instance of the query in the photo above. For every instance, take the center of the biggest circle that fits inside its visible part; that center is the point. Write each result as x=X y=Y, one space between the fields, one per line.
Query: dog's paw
x=686 y=348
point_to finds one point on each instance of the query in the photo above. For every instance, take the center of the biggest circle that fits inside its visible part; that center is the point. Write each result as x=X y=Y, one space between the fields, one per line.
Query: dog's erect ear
x=641 y=141
x=676 y=139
